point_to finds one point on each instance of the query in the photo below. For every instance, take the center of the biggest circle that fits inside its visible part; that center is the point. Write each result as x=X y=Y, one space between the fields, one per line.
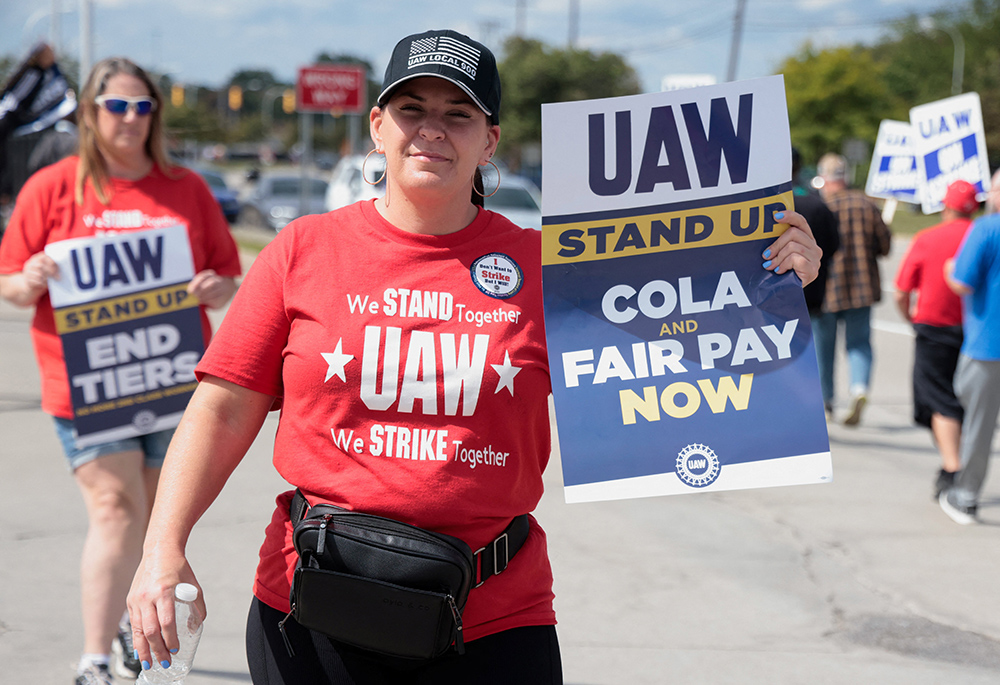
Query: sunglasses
x=119 y=104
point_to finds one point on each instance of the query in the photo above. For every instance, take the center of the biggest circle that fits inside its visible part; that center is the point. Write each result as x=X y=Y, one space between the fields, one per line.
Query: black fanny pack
x=387 y=586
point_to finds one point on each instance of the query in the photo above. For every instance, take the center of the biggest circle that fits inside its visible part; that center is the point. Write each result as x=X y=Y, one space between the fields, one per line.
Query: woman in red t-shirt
x=122 y=170
x=404 y=339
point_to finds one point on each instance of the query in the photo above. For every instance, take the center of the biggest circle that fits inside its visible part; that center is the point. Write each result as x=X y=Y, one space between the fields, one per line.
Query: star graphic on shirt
x=507 y=373
x=336 y=362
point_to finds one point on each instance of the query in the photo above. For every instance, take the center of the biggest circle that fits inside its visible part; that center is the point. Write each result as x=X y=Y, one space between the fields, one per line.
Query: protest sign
x=131 y=333
x=893 y=171
x=950 y=144
x=678 y=363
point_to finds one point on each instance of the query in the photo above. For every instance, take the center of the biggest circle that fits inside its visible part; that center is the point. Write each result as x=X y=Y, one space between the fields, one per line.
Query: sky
x=205 y=42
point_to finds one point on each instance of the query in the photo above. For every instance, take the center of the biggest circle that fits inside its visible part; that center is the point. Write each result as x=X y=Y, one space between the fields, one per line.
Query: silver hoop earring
x=498 y=182
x=364 y=175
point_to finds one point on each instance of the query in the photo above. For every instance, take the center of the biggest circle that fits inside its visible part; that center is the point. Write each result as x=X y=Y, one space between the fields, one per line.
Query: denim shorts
x=153 y=446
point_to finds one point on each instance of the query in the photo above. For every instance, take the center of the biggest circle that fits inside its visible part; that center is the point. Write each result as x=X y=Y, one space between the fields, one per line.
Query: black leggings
x=525 y=656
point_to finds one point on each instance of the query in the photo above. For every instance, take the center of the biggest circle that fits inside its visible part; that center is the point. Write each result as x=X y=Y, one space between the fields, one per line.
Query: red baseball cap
x=961 y=197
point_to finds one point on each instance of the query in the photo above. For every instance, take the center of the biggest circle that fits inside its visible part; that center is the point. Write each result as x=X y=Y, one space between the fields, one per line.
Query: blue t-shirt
x=977 y=265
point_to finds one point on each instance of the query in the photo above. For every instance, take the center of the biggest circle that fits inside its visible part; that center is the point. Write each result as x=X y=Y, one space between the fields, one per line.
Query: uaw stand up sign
x=131 y=333
x=678 y=363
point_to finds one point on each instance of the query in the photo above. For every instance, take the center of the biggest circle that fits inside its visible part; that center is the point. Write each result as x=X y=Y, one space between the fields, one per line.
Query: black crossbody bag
x=386 y=586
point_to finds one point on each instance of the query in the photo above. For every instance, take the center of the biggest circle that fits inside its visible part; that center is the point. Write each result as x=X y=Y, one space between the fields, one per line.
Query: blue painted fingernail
x=173 y=651
x=767 y=264
x=145 y=665
x=778 y=270
x=165 y=663
x=135 y=653
x=779 y=215
x=767 y=253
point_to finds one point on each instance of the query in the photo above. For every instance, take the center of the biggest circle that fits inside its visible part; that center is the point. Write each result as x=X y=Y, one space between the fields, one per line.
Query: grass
x=909 y=219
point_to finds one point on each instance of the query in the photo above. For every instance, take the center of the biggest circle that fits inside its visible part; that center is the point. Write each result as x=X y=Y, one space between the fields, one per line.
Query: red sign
x=326 y=87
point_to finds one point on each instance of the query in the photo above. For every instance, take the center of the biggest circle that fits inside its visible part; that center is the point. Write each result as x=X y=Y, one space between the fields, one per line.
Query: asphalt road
x=863 y=580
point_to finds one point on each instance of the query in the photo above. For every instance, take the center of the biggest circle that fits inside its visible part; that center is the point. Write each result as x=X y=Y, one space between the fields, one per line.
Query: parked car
x=227 y=198
x=275 y=200
x=346 y=184
x=517 y=199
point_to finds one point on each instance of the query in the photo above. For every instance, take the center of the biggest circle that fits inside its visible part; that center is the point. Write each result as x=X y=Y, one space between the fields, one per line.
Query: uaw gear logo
x=697 y=465
x=144 y=420
x=497 y=275
x=444 y=50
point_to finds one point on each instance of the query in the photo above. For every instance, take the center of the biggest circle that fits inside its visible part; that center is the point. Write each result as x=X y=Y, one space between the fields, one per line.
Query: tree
x=531 y=73
x=918 y=58
x=835 y=95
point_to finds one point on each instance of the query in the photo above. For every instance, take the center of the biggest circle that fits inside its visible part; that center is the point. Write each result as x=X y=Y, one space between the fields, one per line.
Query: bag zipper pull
x=457 y=615
x=321 y=543
x=284 y=636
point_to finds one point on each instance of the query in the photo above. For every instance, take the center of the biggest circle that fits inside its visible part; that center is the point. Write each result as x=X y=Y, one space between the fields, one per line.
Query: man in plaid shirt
x=852 y=286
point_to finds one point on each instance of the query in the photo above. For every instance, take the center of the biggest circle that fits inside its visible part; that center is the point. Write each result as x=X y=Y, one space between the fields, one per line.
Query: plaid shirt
x=853 y=280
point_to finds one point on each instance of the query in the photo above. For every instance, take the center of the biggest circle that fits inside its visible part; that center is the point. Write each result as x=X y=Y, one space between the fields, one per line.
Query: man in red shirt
x=937 y=321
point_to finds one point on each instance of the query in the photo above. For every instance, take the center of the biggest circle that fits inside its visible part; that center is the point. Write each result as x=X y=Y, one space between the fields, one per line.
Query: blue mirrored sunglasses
x=119 y=104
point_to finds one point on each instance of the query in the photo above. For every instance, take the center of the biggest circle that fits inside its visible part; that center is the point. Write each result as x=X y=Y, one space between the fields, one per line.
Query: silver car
x=347 y=185
x=517 y=199
x=276 y=200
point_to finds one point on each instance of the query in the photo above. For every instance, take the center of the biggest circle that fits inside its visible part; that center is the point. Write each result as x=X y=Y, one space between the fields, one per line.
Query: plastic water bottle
x=188 y=633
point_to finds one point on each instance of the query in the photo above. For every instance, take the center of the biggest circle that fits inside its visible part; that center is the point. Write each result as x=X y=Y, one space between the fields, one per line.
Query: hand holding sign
x=795 y=249
x=211 y=289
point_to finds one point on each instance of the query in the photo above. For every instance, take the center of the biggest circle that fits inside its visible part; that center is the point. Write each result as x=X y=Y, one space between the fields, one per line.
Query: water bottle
x=188 y=633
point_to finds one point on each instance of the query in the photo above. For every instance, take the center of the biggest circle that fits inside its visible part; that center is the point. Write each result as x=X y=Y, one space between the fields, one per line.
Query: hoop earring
x=490 y=161
x=364 y=176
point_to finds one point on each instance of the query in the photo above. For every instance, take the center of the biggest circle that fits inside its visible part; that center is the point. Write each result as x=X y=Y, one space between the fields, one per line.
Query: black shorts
x=935 y=357
x=526 y=656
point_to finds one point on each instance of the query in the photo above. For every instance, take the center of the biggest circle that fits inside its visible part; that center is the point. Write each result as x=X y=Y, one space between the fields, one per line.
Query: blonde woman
x=122 y=171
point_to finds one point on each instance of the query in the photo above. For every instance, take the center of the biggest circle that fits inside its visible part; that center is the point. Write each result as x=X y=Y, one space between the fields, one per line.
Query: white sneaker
x=94 y=675
x=964 y=516
x=123 y=661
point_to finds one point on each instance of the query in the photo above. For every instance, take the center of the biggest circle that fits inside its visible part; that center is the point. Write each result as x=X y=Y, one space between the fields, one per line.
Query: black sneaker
x=945 y=479
x=956 y=512
x=94 y=675
x=124 y=664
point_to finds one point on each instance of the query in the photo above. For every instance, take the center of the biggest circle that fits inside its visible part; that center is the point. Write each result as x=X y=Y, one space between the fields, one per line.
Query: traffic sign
x=326 y=87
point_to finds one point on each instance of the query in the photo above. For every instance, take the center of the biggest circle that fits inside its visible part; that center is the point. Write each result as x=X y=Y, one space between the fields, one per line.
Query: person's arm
x=957 y=287
x=218 y=426
x=795 y=249
x=883 y=235
x=211 y=289
x=25 y=287
x=903 y=304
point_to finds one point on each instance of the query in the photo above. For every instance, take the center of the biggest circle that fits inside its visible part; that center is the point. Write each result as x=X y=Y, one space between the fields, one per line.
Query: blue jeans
x=857 y=339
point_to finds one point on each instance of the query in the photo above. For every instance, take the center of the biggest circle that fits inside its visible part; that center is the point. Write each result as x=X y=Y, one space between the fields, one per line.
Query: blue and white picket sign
x=131 y=333
x=679 y=364
x=893 y=172
x=950 y=144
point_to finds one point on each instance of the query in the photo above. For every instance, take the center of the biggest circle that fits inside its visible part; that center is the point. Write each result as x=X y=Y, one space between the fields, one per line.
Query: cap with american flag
x=449 y=55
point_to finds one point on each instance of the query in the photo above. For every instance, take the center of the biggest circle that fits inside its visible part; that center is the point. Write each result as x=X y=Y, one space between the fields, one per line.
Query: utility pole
x=55 y=34
x=574 y=23
x=487 y=28
x=86 y=40
x=734 y=48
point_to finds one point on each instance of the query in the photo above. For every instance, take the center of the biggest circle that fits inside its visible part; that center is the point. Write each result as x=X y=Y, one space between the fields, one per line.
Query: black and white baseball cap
x=449 y=55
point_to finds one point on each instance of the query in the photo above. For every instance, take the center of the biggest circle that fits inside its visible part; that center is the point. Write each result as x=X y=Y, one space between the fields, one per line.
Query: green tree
x=532 y=73
x=918 y=59
x=198 y=122
x=834 y=95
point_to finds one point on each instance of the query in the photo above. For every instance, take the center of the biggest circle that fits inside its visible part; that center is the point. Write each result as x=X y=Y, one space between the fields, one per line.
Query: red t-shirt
x=46 y=212
x=414 y=384
x=922 y=270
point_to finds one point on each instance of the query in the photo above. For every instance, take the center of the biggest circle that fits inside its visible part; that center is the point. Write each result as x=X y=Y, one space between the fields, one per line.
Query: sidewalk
x=863 y=580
